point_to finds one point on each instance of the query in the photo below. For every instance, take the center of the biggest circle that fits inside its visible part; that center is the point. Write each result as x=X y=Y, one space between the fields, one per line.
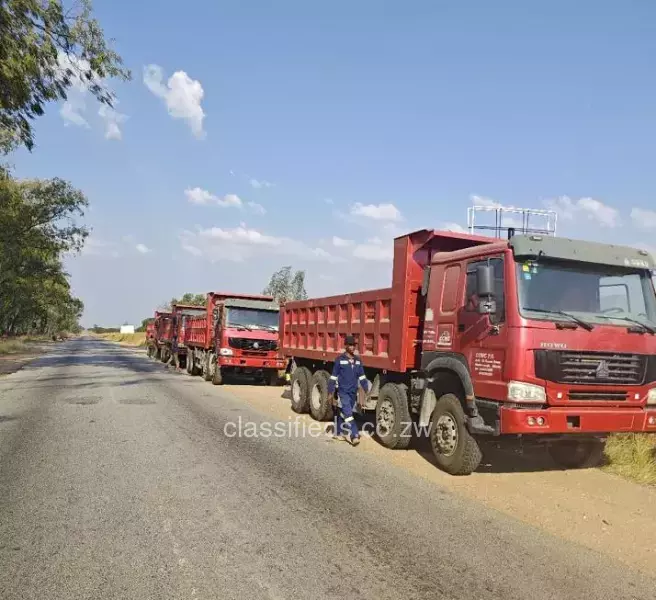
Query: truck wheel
x=164 y=355
x=393 y=421
x=150 y=351
x=455 y=450
x=190 y=361
x=301 y=390
x=320 y=407
x=217 y=376
x=575 y=454
x=208 y=367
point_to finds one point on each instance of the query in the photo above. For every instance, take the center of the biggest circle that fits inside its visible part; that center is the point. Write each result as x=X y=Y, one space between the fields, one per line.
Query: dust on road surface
x=117 y=481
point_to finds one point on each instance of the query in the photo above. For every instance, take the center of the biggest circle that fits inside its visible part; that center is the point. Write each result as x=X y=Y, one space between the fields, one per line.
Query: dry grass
x=633 y=456
x=127 y=339
x=12 y=347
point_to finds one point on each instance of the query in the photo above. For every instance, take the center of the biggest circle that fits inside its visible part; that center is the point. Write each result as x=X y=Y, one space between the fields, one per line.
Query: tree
x=188 y=298
x=285 y=286
x=44 y=51
x=38 y=225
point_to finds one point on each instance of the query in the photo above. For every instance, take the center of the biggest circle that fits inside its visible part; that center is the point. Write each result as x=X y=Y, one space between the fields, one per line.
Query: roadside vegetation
x=137 y=339
x=45 y=49
x=632 y=456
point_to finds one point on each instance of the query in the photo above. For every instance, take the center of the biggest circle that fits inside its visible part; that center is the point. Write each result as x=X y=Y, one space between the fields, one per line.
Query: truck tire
x=208 y=367
x=301 y=390
x=454 y=448
x=577 y=454
x=164 y=355
x=320 y=406
x=151 y=351
x=217 y=376
x=393 y=421
x=190 y=361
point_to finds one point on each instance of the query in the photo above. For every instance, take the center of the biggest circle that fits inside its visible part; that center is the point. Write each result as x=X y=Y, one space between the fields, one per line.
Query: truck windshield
x=600 y=294
x=252 y=318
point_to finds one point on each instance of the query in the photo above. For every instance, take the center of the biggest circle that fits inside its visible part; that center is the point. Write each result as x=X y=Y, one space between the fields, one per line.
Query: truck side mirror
x=485 y=289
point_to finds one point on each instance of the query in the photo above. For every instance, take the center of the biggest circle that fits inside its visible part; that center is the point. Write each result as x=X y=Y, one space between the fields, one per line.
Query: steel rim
x=446 y=435
x=386 y=417
x=296 y=392
x=315 y=398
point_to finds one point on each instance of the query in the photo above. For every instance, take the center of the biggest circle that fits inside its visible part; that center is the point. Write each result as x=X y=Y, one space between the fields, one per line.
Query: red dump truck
x=160 y=331
x=236 y=335
x=176 y=342
x=547 y=338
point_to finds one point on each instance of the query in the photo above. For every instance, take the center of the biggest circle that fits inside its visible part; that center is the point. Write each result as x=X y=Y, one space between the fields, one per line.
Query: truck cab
x=247 y=337
x=556 y=338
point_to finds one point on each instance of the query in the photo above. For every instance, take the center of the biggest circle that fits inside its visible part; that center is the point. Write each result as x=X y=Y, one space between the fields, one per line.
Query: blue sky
x=352 y=120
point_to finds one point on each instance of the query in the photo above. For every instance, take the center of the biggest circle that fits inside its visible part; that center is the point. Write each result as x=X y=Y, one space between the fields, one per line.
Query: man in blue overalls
x=348 y=373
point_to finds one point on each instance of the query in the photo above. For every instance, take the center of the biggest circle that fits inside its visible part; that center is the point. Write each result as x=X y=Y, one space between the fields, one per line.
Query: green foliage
x=188 y=298
x=38 y=225
x=144 y=324
x=44 y=51
x=98 y=329
x=285 y=285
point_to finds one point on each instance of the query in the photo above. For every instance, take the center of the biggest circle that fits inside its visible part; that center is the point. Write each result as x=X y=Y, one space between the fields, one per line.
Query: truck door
x=483 y=338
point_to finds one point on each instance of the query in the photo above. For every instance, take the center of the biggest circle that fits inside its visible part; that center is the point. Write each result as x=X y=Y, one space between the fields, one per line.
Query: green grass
x=632 y=455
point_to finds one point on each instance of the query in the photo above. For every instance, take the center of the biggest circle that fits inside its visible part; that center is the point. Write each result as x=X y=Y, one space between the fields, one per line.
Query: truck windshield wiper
x=645 y=327
x=581 y=322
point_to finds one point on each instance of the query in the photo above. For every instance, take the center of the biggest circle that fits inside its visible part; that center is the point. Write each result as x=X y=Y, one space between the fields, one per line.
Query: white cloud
x=241 y=243
x=339 y=242
x=203 y=197
x=257 y=184
x=181 y=94
x=377 y=212
x=454 y=227
x=143 y=248
x=256 y=208
x=374 y=250
x=644 y=219
x=112 y=119
x=73 y=110
x=94 y=246
x=485 y=201
x=589 y=208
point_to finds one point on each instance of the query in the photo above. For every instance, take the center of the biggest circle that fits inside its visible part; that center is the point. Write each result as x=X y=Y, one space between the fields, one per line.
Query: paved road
x=117 y=481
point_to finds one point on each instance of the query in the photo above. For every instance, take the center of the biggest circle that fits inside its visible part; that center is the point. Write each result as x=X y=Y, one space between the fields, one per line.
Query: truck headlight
x=651 y=396
x=226 y=352
x=521 y=392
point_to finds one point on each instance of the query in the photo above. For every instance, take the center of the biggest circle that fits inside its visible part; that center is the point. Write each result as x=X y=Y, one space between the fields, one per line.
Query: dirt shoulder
x=16 y=354
x=590 y=507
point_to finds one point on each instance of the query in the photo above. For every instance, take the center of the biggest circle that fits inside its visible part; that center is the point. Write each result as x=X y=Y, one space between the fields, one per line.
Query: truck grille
x=601 y=395
x=253 y=345
x=610 y=368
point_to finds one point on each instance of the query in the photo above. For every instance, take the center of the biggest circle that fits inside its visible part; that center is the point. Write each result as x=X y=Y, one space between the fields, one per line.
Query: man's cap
x=349 y=340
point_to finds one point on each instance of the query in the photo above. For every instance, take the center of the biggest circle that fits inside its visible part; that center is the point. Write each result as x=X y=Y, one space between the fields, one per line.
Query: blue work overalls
x=348 y=373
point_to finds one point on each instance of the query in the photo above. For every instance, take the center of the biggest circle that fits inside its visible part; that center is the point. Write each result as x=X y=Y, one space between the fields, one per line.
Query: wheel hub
x=315 y=398
x=386 y=417
x=446 y=435
x=296 y=391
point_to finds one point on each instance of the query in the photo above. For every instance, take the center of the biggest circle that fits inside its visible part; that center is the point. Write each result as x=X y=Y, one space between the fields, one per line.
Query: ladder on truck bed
x=511 y=220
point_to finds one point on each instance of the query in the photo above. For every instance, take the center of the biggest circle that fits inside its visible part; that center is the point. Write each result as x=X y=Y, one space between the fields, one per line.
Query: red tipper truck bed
x=386 y=322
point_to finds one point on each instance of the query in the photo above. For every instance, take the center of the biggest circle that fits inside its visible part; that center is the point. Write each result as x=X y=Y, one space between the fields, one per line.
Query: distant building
x=127 y=328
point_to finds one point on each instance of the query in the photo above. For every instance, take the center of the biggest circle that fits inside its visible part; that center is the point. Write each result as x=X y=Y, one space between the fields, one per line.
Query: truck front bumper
x=560 y=420
x=252 y=363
